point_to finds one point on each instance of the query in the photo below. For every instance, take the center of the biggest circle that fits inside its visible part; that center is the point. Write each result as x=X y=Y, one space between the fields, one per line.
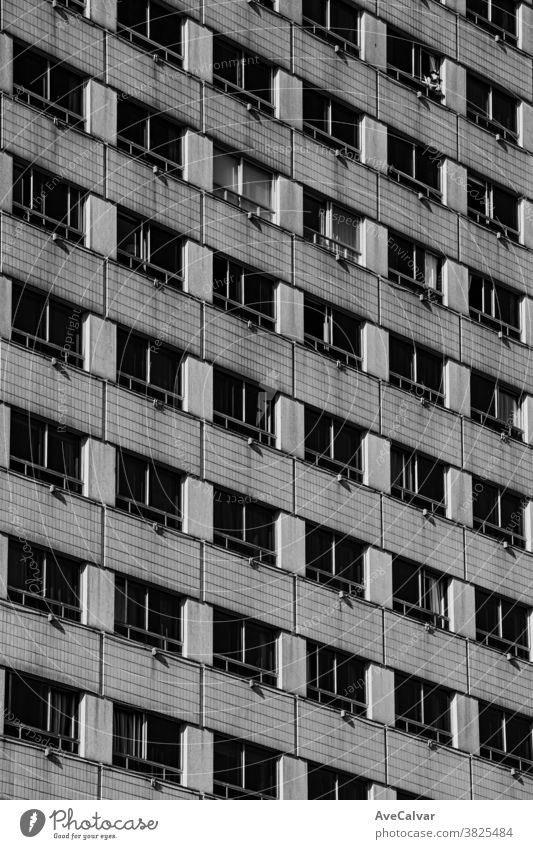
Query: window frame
x=266 y=435
x=152 y=769
x=27 y=175
x=334 y=699
x=495 y=422
x=144 y=510
x=411 y=181
x=485 y=190
x=330 y=463
x=240 y=308
x=413 y=385
x=340 y=780
x=326 y=136
x=62 y=743
x=145 y=152
x=41 y=472
x=485 y=118
x=241 y=545
x=225 y=790
x=45 y=103
x=239 y=665
x=414 y=497
x=486 y=23
x=145 y=635
x=333 y=580
x=142 y=232
x=158 y=51
x=47 y=561
x=502 y=756
x=430 y=85
x=240 y=91
x=496 y=292
x=497 y=641
x=422 y=257
x=238 y=199
x=325 y=32
x=146 y=387
x=437 y=618
x=419 y=727
x=483 y=526
x=325 y=345
x=42 y=344
x=324 y=238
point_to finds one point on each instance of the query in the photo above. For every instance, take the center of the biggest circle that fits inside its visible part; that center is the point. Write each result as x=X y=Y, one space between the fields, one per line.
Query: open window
x=154 y=27
x=332 y=332
x=422 y=708
x=244 y=293
x=416 y=166
x=331 y=227
x=45 y=451
x=149 y=249
x=413 y=266
x=244 y=526
x=498 y=513
x=420 y=593
x=333 y=444
x=147 y=743
x=329 y=121
x=48 y=202
x=335 y=560
x=244 y=771
x=242 y=74
x=44 y=580
x=502 y=624
x=491 y=108
x=413 y=64
x=495 y=406
x=244 y=184
x=243 y=407
x=418 y=480
x=147 y=614
x=37 y=710
x=417 y=370
x=494 y=305
x=336 y=679
x=48 y=85
x=148 y=490
x=244 y=647
x=333 y=21
x=492 y=206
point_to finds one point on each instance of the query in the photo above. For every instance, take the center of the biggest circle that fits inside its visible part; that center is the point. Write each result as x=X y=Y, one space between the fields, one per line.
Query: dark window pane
x=129 y=236
x=227 y=762
x=436 y=708
x=28 y=701
x=162 y=741
x=260 y=647
x=400 y=154
x=401 y=358
x=227 y=635
x=487 y=613
x=228 y=514
x=259 y=293
x=164 y=490
x=511 y=513
x=30 y=71
x=407 y=699
x=315 y=109
x=136 y=605
x=29 y=312
x=343 y=21
x=349 y=560
x=505 y=209
x=514 y=623
x=64 y=327
x=319 y=550
x=490 y=728
x=402 y=256
x=315 y=10
x=344 y=125
x=317 y=433
x=507 y=306
x=399 y=52
x=165 y=139
x=164 y=614
x=346 y=445
x=321 y=783
x=314 y=214
x=66 y=89
x=131 y=355
x=482 y=394
x=131 y=122
x=228 y=395
x=165 y=250
x=430 y=479
x=132 y=13
x=131 y=477
x=346 y=333
x=63 y=581
x=406 y=582
x=477 y=94
x=485 y=503
x=165 y=27
x=27 y=441
x=257 y=78
x=259 y=527
x=518 y=736
x=504 y=110
x=226 y=61
x=165 y=369
x=26 y=568
x=429 y=370
x=63 y=452
x=259 y=770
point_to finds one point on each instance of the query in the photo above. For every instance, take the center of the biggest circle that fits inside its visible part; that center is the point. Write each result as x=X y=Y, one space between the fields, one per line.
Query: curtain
x=256 y=185
x=345 y=228
x=63 y=453
x=63 y=710
x=62 y=580
x=507 y=408
x=434 y=594
x=127 y=733
x=431 y=270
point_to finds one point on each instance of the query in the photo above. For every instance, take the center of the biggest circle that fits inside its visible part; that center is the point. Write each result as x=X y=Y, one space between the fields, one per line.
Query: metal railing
x=354 y=473
x=246 y=670
x=499 y=425
x=348 y=151
x=223 y=790
x=247 y=549
x=490 y=124
x=412 y=726
x=22 y=731
x=35 y=343
x=71 y=234
x=171 y=399
x=335 y=353
x=260 y=103
x=169 y=166
x=434 y=396
x=329 y=35
x=157 y=50
x=44 y=604
x=338 y=248
x=149 y=638
x=501 y=534
x=335 y=582
x=75 y=5
x=152 y=514
x=245 y=312
x=483 y=220
x=135 y=263
x=507 y=758
x=265 y=437
x=45 y=475
x=412 y=183
x=418 y=500
x=432 y=90
x=49 y=107
x=148 y=768
x=494 y=323
x=243 y=203
x=487 y=638
x=423 y=614
x=489 y=26
x=334 y=700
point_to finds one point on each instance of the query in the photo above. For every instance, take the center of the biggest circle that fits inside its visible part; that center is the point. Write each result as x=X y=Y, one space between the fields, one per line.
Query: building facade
x=266 y=399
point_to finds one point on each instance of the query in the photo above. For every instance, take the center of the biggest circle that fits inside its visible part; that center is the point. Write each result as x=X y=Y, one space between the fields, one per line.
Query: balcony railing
x=223 y=790
x=49 y=107
x=511 y=233
x=265 y=437
x=246 y=670
x=434 y=396
x=340 y=250
x=488 y=26
x=152 y=514
x=353 y=472
x=334 y=700
x=149 y=638
x=494 y=323
x=418 y=500
x=412 y=726
x=247 y=549
x=488 y=123
x=159 y=52
x=171 y=399
x=244 y=203
x=65 y=231
x=146 y=155
x=348 y=151
x=148 y=768
x=412 y=183
x=260 y=103
x=41 y=346
x=49 y=476
x=502 y=534
x=496 y=424
x=335 y=582
x=488 y=638
x=523 y=764
x=331 y=351
x=422 y=614
x=429 y=89
x=328 y=35
x=33 y=734
x=163 y=275
x=243 y=311
x=44 y=604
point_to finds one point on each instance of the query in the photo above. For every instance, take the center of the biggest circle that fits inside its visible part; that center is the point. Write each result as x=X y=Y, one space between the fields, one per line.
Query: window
x=334 y=560
x=48 y=85
x=414 y=166
x=333 y=444
x=332 y=332
x=505 y=737
x=416 y=370
x=149 y=137
x=243 y=407
x=331 y=122
x=41 y=713
x=496 y=16
x=494 y=305
x=152 y=27
x=147 y=615
x=333 y=21
x=332 y=227
x=75 y=5
x=244 y=293
x=45 y=325
x=325 y=783
x=492 y=206
x=413 y=266
x=336 y=679
x=43 y=580
x=491 y=108
x=495 y=406
x=244 y=526
x=422 y=708
x=147 y=489
x=147 y=743
x=47 y=202
x=242 y=74
x=413 y=64
x=244 y=771
x=418 y=480
x=502 y=624
x=243 y=184
x=498 y=513
x=45 y=451
x=149 y=249
x=150 y=368
x=244 y=647
x=405 y=795
x=420 y=593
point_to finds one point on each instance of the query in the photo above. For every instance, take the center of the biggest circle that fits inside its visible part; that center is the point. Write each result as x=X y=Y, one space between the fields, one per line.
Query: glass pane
x=507 y=407
x=490 y=727
x=401 y=358
x=228 y=514
x=346 y=445
x=228 y=395
x=227 y=635
x=504 y=15
x=345 y=228
x=131 y=477
x=514 y=623
x=63 y=452
x=26 y=441
x=165 y=27
x=127 y=733
x=258 y=78
x=131 y=354
x=429 y=370
x=132 y=13
x=259 y=770
x=482 y=394
x=326 y=669
x=507 y=306
x=343 y=21
x=351 y=788
x=64 y=327
x=315 y=10
x=63 y=580
x=227 y=762
x=225 y=171
x=346 y=333
x=66 y=89
x=226 y=61
x=56 y=202
x=29 y=311
x=476 y=293
x=163 y=741
x=349 y=560
x=165 y=369
x=485 y=503
x=504 y=110
x=131 y=123
x=25 y=568
x=487 y=613
x=477 y=94
x=257 y=185
x=427 y=168
x=351 y=681
x=511 y=513
x=164 y=490
x=407 y=698
x=136 y=605
x=314 y=319
x=314 y=214
x=518 y=736
x=120 y=599
x=436 y=708
x=319 y=549
x=129 y=236
x=165 y=250
x=317 y=433
x=399 y=52
x=259 y=526
x=321 y=783
x=255 y=412
x=63 y=713
x=505 y=208
x=430 y=479
x=406 y=585
x=477 y=196
x=398 y=468
x=28 y=701
x=165 y=139
x=400 y=153
x=344 y=125
x=402 y=256
x=260 y=647
x=30 y=71
x=259 y=294
x=315 y=109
